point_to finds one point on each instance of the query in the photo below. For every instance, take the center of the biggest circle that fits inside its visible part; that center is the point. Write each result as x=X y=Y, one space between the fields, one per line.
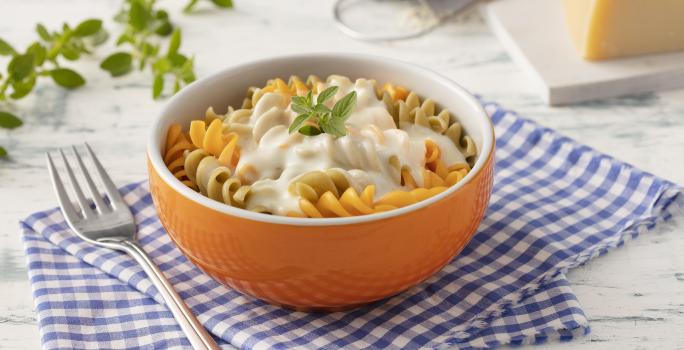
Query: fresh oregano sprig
x=145 y=27
x=42 y=58
x=316 y=118
x=144 y=24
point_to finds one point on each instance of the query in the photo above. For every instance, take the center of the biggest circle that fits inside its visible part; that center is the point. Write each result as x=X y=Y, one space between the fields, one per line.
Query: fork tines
x=115 y=200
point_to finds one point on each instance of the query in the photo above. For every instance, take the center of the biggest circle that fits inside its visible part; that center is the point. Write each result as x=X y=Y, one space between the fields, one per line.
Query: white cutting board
x=534 y=33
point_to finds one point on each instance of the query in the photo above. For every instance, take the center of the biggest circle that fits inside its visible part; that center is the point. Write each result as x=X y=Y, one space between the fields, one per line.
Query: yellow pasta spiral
x=293 y=87
x=212 y=140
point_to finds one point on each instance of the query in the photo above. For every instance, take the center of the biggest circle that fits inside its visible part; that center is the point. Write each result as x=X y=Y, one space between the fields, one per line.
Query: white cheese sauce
x=271 y=158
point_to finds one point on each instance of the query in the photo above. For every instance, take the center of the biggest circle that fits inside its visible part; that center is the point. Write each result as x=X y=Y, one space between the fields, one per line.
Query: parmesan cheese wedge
x=603 y=29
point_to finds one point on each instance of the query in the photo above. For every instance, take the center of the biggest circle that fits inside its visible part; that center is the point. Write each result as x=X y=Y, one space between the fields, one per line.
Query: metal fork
x=111 y=225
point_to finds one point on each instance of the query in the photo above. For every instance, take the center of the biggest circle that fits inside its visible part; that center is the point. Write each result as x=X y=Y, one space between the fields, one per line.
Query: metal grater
x=439 y=9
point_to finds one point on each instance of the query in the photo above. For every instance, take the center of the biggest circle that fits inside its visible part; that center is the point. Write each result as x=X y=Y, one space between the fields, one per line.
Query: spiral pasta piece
x=405 y=106
x=177 y=145
x=215 y=142
x=214 y=180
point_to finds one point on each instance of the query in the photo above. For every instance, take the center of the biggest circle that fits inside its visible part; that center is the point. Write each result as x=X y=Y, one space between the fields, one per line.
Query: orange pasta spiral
x=177 y=145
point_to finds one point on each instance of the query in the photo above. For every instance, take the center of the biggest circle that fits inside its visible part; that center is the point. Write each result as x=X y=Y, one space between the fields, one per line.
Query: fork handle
x=197 y=335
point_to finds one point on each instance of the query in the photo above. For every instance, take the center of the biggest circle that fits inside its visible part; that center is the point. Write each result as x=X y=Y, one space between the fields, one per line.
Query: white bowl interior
x=229 y=87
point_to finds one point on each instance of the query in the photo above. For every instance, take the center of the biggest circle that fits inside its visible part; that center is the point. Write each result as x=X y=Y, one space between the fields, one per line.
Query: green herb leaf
x=20 y=66
x=137 y=16
x=334 y=127
x=309 y=98
x=164 y=28
x=9 y=120
x=223 y=3
x=70 y=52
x=158 y=86
x=344 y=107
x=301 y=108
x=6 y=49
x=174 y=43
x=187 y=72
x=88 y=27
x=39 y=53
x=309 y=130
x=118 y=64
x=43 y=32
x=124 y=38
x=190 y=6
x=298 y=122
x=161 y=14
x=326 y=94
x=99 y=38
x=67 y=78
x=3 y=152
x=299 y=100
x=22 y=88
x=162 y=66
x=321 y=109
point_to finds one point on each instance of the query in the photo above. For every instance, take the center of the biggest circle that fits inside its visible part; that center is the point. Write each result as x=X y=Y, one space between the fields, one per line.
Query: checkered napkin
x=555 y=205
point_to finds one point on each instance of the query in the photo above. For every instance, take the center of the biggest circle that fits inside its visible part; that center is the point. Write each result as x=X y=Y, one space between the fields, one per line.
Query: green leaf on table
x=124 y=38
x=20 y=66
x=118 y=63
x=70 y=52
x=344 y=107
x=43 y=32
x=177 y=60
x=3 y=152
x=67 y=78
x=137 y=16
x=187 y=71
x=161 y=14
x=158 y=86
x=190 y=6
x=164 y=28
x=309 y=130
x=162 y=66
x=100 y=37
x=326 y=94
x=88 y=27
x=9 y=120
x=39 y=53
x=6 y=49
x=22 y=88
x=174 y=43
x=147 y=50
x=223 y=3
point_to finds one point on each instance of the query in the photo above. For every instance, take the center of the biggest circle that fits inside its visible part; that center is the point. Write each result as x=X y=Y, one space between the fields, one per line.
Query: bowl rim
x=155 y=158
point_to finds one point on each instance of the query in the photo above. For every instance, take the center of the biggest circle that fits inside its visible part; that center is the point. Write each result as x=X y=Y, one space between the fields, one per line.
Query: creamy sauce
x=271 y=158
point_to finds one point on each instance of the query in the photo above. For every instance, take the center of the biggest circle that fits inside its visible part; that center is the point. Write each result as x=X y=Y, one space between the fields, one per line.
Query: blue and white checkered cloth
x=555 y=205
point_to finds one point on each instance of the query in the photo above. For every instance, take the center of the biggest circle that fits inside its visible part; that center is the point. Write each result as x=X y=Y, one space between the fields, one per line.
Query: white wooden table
x=634 y=296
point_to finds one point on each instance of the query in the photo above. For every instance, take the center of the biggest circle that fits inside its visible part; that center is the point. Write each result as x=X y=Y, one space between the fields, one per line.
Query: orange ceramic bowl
x=329 y=263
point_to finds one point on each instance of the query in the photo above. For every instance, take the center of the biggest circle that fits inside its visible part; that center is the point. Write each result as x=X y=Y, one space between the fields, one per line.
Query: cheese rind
x=603 y=29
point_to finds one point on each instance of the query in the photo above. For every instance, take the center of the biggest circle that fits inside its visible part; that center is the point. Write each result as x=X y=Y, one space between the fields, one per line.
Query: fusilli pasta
x=343 y=176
